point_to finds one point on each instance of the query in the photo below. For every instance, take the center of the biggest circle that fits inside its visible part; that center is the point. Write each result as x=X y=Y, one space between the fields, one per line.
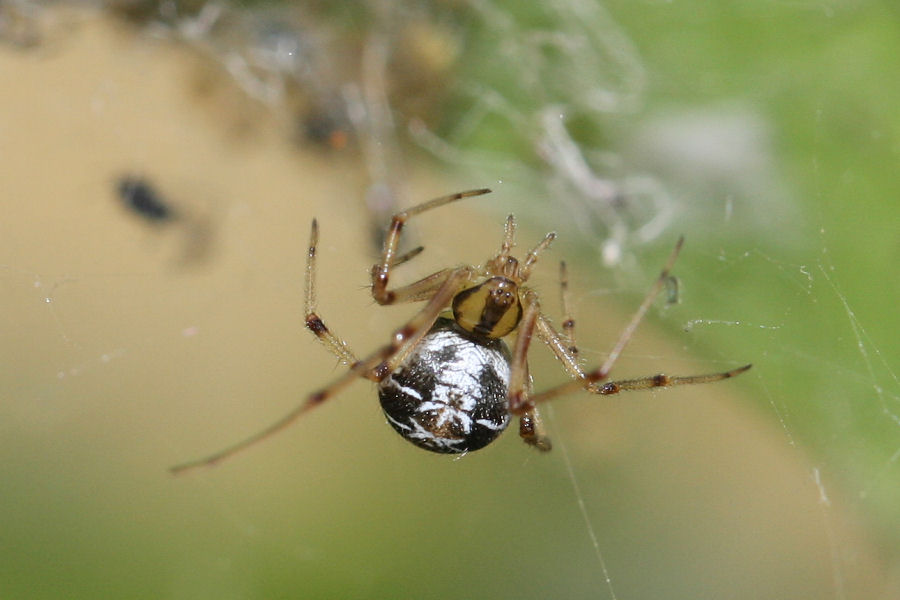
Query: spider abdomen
x=450 y=394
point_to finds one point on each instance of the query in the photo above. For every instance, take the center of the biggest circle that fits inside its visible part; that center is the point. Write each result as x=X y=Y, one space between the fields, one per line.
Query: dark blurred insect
x=326 y=128
x=140 y=197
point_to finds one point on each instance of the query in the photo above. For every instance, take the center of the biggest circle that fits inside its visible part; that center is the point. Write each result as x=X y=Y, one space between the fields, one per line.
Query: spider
x=447 y=381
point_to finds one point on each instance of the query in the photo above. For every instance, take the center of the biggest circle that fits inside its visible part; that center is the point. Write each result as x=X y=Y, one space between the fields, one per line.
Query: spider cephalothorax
x=447 y=381
x=491 y=308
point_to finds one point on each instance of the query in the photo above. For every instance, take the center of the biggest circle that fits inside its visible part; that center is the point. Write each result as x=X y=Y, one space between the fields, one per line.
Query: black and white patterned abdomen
x=449 y=395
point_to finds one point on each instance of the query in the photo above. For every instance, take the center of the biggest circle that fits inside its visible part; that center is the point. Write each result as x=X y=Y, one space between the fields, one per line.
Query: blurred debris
x=526 y=96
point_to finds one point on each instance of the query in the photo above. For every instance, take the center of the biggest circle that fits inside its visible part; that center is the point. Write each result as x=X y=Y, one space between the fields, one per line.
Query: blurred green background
x=766 y=133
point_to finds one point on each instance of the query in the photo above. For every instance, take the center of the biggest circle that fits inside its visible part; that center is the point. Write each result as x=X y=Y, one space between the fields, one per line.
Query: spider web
x=132 y=345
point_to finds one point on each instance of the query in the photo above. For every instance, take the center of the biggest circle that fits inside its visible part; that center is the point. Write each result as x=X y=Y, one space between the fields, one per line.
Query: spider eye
x=491 y=309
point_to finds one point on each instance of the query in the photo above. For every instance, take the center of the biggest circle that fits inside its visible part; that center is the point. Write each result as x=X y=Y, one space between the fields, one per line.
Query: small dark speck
x=140 y=197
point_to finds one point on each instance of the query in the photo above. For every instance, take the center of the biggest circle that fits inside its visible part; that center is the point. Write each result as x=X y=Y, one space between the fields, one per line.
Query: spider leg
x=644 y=383
x=421 y=289
x=357 y=370
x=533 y=254
x=557 y=343
x=532 y=431
x=590 y=380
x=509 y=236
x=531 y=428
x=568 y=324
x=562 y=344
x=600 y=373
x=408 y=256
x=381 y=271
x=376 y=366
x=332 y=342
x=503 y=261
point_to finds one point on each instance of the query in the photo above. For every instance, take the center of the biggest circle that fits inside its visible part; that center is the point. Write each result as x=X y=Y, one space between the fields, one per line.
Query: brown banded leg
x=357 y=370
x=558 y=344
x=654 y=381
x=381 y=271
x=562 y=344
x=531 y=428
x=332 y=342
x=568 y=323
x=376 y=367
x=422 y=289
x=533 y=254
x=591 y=380
x=408 y=256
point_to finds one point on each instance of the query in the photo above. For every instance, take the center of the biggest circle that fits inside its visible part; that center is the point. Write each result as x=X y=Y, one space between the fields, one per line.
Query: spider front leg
x=531 y=428
x=381 y=271
x=334 y=343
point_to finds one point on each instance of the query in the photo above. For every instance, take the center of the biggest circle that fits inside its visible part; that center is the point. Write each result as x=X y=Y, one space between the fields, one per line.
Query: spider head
x=491 y=309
